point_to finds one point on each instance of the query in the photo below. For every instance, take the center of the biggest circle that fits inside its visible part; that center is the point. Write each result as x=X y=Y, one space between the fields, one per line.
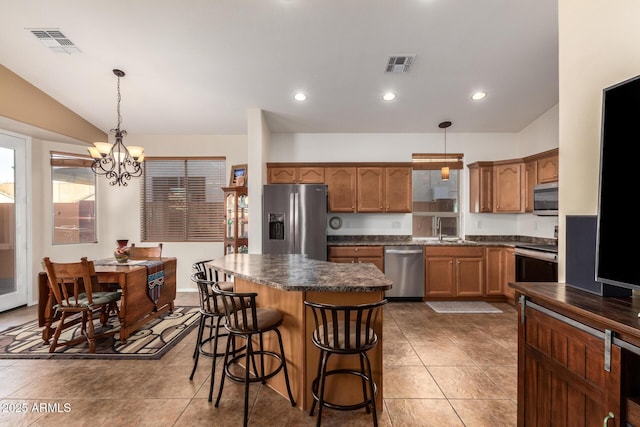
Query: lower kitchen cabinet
x=353 y=254
x=454 y=271
x=500 y=269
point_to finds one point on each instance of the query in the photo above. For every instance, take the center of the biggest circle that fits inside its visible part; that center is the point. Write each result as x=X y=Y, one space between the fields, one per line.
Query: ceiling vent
x=399 y=64
x=54 y=40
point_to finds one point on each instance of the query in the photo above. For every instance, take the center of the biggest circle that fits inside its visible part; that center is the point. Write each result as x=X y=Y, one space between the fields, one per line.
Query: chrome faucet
x=439 y=227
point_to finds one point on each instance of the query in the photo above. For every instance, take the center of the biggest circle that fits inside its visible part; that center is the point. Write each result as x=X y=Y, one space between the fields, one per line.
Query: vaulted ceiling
x=196 y=66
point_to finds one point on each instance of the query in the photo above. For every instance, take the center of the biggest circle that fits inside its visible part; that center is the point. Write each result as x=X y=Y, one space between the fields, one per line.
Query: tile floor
x=439 y=370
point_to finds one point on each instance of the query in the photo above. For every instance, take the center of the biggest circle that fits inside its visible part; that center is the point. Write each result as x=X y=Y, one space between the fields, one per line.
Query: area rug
x=446 y=307
x=151 y=341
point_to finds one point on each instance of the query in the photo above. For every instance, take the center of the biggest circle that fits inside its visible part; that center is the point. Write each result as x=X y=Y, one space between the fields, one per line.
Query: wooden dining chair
x=71 y=285
x=145 y=252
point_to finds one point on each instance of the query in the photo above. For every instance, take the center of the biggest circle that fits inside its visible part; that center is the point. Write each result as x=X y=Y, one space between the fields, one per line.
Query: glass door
x=13 y=230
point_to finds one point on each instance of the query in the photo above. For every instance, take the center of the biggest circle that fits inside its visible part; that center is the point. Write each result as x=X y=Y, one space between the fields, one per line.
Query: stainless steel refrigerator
x=295 y=220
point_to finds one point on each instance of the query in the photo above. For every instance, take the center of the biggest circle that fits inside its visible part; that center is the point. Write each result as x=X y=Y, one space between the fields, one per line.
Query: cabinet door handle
x=609 y=416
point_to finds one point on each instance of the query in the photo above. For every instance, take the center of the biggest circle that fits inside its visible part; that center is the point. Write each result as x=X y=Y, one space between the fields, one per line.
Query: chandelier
x=117 y=162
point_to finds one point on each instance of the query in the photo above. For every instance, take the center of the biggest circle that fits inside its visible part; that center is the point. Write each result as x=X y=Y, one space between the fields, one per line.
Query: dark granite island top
x=300 y=273
x=285 y=282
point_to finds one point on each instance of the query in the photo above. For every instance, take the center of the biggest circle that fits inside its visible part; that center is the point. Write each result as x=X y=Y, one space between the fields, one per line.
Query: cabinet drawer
x=355 y=251
x=454 y=251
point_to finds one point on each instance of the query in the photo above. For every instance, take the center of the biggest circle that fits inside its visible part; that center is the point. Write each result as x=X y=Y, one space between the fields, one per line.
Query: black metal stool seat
x=211 y=317
x=344 y=330
x=245 y=320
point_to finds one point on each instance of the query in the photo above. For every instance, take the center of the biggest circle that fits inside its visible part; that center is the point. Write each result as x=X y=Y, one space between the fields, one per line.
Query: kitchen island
x=284 y=282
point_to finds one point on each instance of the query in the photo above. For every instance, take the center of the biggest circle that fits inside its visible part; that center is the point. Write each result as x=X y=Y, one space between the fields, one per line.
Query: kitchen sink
x=438 y=240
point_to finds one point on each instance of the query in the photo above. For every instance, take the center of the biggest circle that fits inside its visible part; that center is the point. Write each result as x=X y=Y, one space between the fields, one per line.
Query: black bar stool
x=245 y=320
x=211 y=316
x=345 y=330
x=211 y=275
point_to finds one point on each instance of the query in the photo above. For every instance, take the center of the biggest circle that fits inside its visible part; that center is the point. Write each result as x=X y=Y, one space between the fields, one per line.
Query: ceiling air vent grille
x=399 y=63
x=55 y=40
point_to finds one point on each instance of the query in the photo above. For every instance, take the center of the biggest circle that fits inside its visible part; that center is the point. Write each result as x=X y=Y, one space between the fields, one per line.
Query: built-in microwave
x=545 y=199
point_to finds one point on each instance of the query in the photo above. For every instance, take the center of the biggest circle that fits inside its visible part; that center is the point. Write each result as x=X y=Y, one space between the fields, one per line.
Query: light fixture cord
x=445 y=147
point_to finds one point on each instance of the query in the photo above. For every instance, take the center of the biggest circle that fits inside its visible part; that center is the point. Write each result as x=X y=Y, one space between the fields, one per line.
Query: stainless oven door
x=536 y=266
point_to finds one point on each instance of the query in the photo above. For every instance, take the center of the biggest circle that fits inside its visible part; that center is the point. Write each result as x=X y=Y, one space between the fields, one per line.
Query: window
x=182 y=200
x=74 y=199
x=435 y=202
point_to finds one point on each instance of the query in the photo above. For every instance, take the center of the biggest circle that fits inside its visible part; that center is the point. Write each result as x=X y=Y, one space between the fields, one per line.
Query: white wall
x=598 y=44
x=118 y=208
x=540 y=135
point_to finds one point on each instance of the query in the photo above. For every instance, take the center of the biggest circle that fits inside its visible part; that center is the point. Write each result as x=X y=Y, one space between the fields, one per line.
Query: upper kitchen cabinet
x=496 y=186
x=481 y=187
x=384 y=189
x=508 y=186
x=370 y=189
x=530 y=180
x=353 y=187
x=398 y=193
x=539 y=169
x=548 y=166
x=341 y=183
x=287 y=174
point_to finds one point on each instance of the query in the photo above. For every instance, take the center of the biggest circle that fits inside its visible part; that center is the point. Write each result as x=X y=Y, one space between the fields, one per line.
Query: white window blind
x=182 y=199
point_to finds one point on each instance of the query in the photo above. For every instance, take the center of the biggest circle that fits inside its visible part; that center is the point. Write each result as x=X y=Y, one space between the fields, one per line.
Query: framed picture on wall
x=238 y=176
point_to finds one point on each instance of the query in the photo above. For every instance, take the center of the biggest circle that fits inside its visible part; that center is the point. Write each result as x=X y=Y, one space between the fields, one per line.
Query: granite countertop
x=510 y=241
x=300 y=273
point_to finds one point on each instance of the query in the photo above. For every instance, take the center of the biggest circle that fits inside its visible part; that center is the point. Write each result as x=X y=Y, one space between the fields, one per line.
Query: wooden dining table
x=136 y=307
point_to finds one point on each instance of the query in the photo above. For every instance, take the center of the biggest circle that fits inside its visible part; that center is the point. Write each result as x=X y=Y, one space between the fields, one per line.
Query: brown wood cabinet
x=530 y=180
x=548 y=168
x=370 y=189
x=398 y=189
x=296 y=175
x=356 y=254
x=341 y=186
x=353 y=187
x=481 y=187
x=509 y=258
x=454 y=271
x=494 y=267
x=508 y=187
x=384 y=189
x=500 y=270
x=562 y=379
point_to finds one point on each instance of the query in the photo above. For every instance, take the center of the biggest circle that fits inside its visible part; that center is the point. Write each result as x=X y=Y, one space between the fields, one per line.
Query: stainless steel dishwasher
x=404 y=266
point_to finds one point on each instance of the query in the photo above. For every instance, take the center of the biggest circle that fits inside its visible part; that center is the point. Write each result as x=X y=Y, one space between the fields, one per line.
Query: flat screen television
x=618 y=228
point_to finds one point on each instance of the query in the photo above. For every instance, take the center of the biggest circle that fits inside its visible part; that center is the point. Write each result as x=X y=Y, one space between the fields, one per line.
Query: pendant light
x=117 y=162
x=444 y=171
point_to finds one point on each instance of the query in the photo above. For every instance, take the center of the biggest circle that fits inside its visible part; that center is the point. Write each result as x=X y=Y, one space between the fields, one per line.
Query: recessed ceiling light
x=389 y=96
x=478 y=96
x=299 y=96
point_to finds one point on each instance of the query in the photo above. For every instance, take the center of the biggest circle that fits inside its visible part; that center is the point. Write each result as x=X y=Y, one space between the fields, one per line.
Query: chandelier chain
x=118 y=107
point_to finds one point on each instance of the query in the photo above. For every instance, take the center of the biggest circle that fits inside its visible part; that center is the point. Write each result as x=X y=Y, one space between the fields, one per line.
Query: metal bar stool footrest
x=366 y=403
x=256 y=378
